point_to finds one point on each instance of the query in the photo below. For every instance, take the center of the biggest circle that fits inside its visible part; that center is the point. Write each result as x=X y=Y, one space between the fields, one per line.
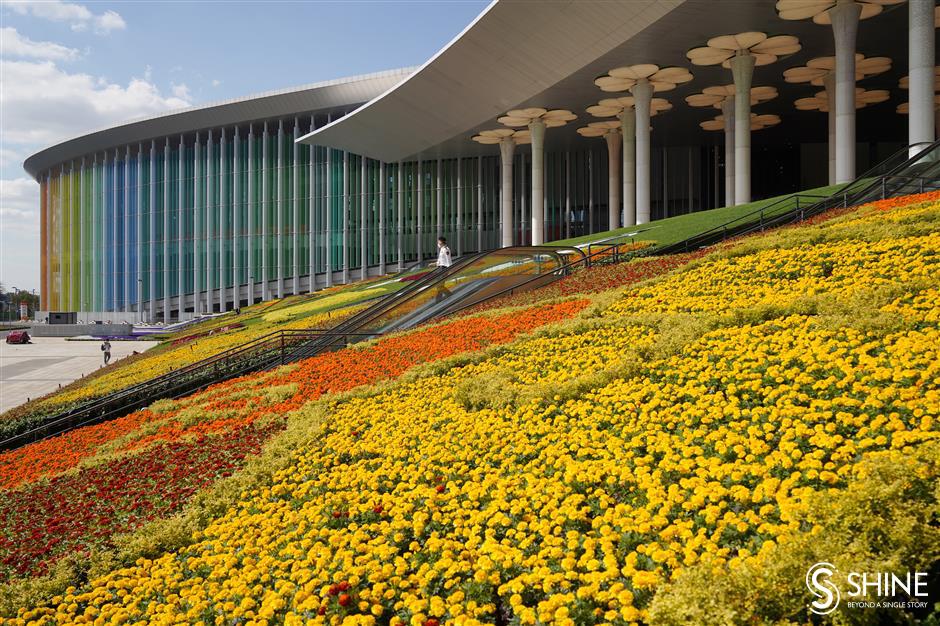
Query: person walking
x=443 y=253
x=443 y=261
x=106 y=349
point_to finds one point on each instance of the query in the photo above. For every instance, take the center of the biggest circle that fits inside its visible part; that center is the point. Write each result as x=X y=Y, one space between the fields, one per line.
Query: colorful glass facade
x=209 y=220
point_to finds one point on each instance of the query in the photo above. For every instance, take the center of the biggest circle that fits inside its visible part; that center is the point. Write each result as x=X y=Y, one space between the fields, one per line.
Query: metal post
x=420 y=215
x=211 y=211
x=265 y=256
x=568 y=195
x=237 y=222
x=250 y=236
x=328 y=245
x=166 y=231
x=383 y=189
x=223 y=222
x=180 y=234
x=197 y=230
x=314 y=214
x=153 y=229
x=459 y=207
x=479 y=204
x=295 y=213
x=140 y=231
x=280 y=209
x=345 y=217
x=363 y=218
x=400 y=198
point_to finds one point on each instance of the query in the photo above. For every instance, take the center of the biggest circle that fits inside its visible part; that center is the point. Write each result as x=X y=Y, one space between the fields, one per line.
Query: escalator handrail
x=357 y=322
x=560 y=271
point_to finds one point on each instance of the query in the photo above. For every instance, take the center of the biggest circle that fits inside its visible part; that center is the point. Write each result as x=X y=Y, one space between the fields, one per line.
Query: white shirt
x=443 y=257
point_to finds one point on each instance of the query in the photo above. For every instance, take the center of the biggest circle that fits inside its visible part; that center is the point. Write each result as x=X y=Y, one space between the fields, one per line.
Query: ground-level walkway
x=32 y=370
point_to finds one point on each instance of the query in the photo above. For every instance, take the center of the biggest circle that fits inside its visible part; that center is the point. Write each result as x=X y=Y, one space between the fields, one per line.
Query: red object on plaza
x=18 y=336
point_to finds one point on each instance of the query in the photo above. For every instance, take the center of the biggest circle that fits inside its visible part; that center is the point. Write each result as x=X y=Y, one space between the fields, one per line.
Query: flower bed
x=572 y=476
x=414 y=508
x=170 y=429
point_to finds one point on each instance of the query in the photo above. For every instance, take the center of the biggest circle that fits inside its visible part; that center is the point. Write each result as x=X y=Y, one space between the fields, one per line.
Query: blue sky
x=69 y=67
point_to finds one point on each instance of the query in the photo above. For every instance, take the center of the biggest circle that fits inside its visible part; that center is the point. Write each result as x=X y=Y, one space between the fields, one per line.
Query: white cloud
x=77 y=16
x=108 y=21
x=19 y=205
x=216 y=82
x=181 y=91
x=8 y=157
x=16 y=45
x=42 y=104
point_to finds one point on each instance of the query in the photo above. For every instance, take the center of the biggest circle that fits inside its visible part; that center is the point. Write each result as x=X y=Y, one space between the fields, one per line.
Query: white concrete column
x=727 y=110
x=642 y=94
x=742 y=69
x=829 y=83
x=921 y=55
x=537 y=131
x=845 y=28
x=506 y=148
x=628 y=132
x=613 y=178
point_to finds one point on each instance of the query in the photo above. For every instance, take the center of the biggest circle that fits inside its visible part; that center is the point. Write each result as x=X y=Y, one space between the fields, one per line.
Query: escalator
x=468 y=281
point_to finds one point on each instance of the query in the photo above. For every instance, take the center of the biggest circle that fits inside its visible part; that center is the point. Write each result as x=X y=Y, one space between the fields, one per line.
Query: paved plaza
x=32 y=370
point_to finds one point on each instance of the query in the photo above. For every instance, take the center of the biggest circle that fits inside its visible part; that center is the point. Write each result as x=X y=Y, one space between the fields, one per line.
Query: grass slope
x=673 y=229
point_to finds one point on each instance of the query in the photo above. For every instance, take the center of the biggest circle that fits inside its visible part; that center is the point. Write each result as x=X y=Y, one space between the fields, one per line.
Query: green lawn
x=673 y=229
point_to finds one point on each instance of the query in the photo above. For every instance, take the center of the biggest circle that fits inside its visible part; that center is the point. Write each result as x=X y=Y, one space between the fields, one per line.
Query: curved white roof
x=513 y=51
x=322 y=96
